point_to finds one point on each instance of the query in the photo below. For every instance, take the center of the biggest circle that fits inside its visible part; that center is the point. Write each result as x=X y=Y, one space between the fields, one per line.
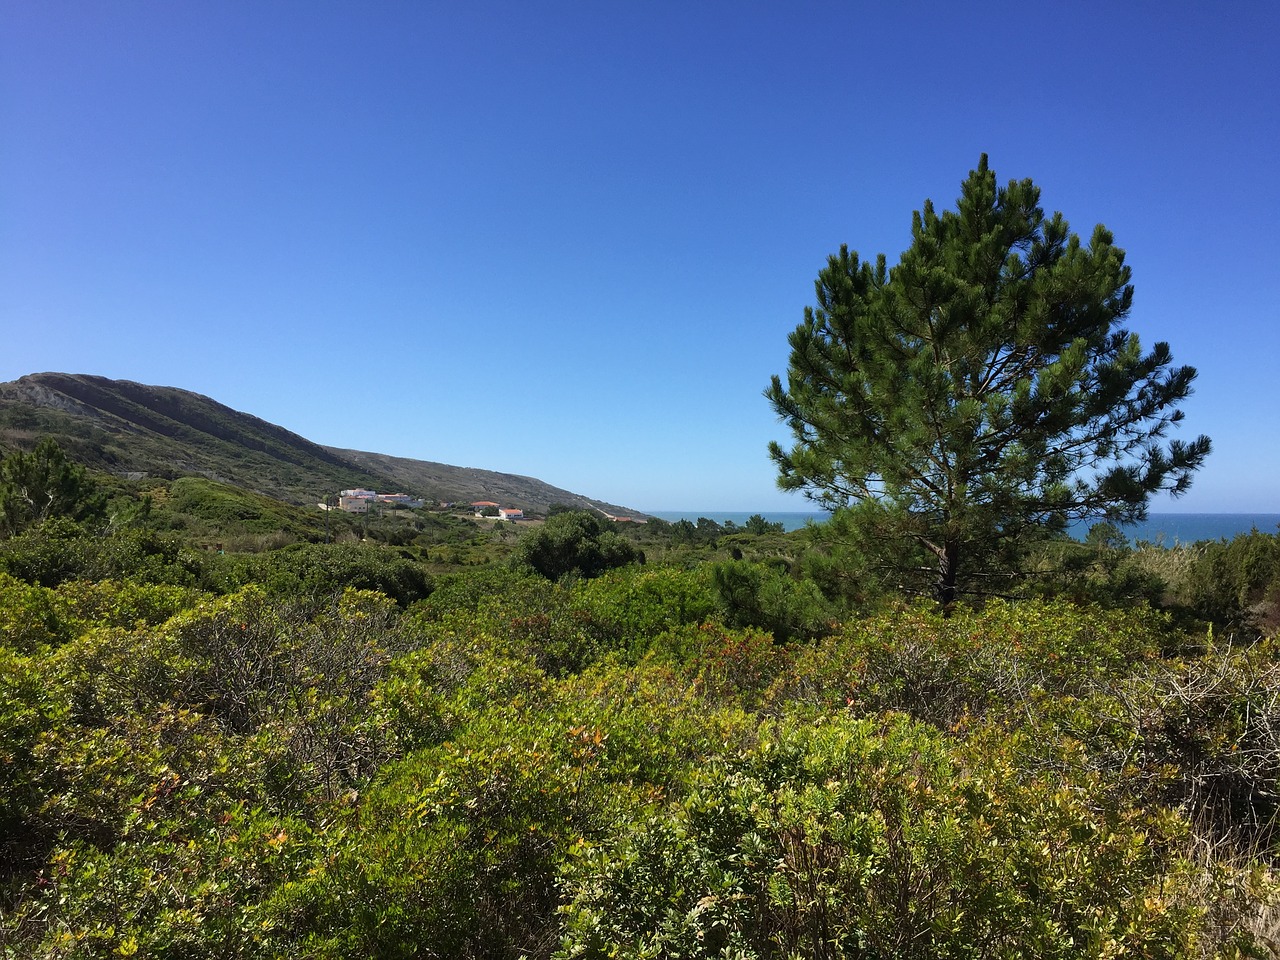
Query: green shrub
x=1236 y=582
x=252 y=663
x=320 y=570
x=59 y=550
x=29 y=618
x=659 y=725
x=31 y=706
x=869 y=838
x=757 y=595
x=941 y=669
x=83 y=604
x=576 y=544
x=521 y=614
x=639 y=603
x=190 y=888
x=430 y=694
x=456 y=851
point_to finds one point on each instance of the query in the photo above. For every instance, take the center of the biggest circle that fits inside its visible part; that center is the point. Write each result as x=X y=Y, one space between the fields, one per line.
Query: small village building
x=355 y=501
x=361 y=500
x=510 y=513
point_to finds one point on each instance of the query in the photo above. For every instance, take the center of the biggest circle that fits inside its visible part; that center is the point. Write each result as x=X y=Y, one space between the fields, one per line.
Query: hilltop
x=128 y=428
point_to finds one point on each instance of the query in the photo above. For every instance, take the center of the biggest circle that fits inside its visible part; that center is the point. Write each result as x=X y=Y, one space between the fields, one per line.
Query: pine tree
x=42 y=484
x=981 y=392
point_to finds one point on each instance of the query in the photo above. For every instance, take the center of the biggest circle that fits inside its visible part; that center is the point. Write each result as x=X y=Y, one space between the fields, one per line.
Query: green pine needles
x=980 y=394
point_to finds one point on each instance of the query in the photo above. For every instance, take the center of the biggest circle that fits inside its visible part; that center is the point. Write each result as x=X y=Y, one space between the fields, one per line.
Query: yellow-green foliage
x=28 y=617
x=640 y=603
x=84 y=604
x=514 y=767
x=34 y=617
x=941 y=669
x=882 y=838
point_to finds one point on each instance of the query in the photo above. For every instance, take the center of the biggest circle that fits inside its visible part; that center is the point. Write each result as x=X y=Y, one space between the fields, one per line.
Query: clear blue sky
x=569 y=240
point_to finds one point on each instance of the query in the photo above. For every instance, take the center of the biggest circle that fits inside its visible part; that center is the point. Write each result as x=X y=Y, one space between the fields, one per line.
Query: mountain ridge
x=130 y=428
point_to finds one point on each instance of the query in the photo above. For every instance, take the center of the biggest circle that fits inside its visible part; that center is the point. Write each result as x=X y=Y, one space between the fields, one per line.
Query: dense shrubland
x=346 y=749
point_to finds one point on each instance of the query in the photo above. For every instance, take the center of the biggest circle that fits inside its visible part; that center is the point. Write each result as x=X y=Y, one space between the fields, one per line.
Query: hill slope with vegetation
x=122 y=427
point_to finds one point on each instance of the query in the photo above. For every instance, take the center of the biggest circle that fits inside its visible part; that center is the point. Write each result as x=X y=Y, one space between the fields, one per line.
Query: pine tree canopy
x=983 y=391
x=42 y=484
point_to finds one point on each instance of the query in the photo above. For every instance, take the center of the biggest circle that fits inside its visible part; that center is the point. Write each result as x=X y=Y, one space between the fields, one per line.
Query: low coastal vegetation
x=234 y=728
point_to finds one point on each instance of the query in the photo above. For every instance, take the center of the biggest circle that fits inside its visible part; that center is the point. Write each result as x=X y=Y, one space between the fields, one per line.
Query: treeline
x=607 y=741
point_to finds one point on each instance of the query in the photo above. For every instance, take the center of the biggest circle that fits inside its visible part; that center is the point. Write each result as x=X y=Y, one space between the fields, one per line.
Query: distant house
x=355 y=501
x=480 y=506
x=360 y=500
x=510 y=513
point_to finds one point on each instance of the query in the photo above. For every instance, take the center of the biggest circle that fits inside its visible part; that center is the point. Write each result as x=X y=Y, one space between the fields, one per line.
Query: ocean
x=1170 y=529
x=1166 y=529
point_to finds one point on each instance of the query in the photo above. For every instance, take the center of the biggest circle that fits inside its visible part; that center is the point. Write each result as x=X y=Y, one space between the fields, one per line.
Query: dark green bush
x=1236 y=583
x=576 y=544
x=759 y=595
x=60 y=550
x=324 y=570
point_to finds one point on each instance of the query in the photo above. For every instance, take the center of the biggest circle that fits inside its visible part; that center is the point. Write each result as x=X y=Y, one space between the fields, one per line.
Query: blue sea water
x=1167 y=529
x=1170 y=529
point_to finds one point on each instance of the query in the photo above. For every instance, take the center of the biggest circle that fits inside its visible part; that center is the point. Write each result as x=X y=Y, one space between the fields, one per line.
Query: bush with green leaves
x=132 y=755
x=660 y=723
x=455 y=849
x=1236 y=583
x=252 y=664
x=877 y=838
x=59 y=550
x=31 y=707
x=521 y=614
x=190 y=887
x=576 y=544
x=468 y=591
x=760 y=595
x=321 y=570
x=639 y=604
x=29 y=617
x=644 y=763
x=122 y=818
x=943 y=668
x=454 y=852
x=35 y=618
x=449 y=680
x=86 y=604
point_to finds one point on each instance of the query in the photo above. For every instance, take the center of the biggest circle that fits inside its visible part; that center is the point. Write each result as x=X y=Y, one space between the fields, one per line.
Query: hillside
x=465 y=484
x=130 y=428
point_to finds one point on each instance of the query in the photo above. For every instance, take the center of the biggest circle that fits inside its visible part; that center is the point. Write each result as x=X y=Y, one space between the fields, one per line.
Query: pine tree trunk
x=948 y=561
